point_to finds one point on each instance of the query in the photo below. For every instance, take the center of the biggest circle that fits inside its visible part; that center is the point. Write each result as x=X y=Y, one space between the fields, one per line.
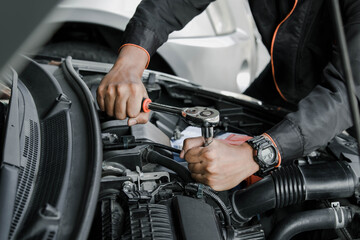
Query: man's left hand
x=220 y=165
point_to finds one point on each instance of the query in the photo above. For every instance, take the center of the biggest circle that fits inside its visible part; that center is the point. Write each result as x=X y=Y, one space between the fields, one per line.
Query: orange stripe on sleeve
x=134 y=45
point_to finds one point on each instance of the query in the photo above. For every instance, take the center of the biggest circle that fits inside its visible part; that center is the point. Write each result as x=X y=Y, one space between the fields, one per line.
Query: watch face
x=267 y=155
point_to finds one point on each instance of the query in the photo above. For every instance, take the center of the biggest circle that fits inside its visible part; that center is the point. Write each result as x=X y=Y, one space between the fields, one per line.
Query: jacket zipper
x=272 y=48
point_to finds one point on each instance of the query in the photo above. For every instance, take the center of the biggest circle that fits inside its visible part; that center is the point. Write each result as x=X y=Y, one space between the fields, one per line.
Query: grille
x=111 y=218
x=53 y=158
x=26 y=148
x=26 y=173
x=149 y=221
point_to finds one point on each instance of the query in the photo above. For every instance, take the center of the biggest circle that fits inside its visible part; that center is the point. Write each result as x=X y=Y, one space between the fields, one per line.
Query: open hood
x=21 y=28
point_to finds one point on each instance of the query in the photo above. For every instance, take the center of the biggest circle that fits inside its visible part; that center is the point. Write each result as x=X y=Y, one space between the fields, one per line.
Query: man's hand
x=220 y=165
x=121 y=91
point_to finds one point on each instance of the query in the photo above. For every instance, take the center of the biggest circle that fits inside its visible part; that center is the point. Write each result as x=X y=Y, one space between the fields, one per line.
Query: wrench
x=204 y=117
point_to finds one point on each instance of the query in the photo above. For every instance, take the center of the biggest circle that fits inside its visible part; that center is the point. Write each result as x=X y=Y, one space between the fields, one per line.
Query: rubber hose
x=292 y=185
x=327 y=218
x=157 y=158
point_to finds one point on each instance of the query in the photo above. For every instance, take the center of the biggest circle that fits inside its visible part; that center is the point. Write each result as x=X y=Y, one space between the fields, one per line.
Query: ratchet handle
x=196 y=116
x=148 y=105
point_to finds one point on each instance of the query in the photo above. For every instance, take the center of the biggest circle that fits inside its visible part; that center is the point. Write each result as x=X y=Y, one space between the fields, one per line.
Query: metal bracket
x=200 y=191
x=339 y=215
x=146 y=181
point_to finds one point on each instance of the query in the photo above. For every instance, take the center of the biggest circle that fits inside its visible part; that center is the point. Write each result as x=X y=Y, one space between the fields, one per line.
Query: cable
x=157 y=158
x=175 y=150
x=207 y=191
x=135 y=144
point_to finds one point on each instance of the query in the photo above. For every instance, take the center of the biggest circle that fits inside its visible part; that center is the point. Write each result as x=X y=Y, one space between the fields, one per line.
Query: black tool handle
x=148 y=105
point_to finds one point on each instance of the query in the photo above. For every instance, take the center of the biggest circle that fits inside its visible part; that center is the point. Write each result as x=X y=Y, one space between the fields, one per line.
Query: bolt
x=191 y=110
x=206 y=113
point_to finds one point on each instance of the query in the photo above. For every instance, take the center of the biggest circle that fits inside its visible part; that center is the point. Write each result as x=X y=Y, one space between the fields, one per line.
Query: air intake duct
x=292 y=185
x=328 y=218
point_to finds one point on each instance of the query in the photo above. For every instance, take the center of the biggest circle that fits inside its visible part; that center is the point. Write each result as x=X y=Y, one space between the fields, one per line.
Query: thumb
x=142 y=118
x=191 y=143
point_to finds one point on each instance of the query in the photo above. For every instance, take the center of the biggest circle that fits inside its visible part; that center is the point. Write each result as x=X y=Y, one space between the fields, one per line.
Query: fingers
x=201 y=162
x=190 y=143
x=195 y=155
x=134 y=101
x=100 y=97
x=199 y=178
x=121 y=91
x=120 y=108
x=109 y=101
x=120 y=95
x=142 y=118
x=193 y=142
x=122 y=100
x=196 y=168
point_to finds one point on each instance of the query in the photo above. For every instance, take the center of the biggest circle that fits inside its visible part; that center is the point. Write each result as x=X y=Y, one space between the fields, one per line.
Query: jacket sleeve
x=154 y=20
x=325 y=112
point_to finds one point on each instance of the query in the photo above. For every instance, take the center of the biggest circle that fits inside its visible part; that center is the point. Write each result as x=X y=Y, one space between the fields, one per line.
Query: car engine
x=147 y=191
x=143 y=189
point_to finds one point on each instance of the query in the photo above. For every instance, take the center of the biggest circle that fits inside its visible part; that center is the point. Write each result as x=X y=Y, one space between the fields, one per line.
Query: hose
x=135 y=144
x=293 y=185
x=157 y=158
x=328 y=218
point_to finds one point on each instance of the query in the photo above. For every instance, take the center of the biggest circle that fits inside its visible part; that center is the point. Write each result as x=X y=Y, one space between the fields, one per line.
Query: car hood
x=22 y=29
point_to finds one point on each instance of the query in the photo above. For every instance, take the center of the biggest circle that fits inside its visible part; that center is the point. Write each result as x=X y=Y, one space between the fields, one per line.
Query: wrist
x=134 y=55
x=253 y=167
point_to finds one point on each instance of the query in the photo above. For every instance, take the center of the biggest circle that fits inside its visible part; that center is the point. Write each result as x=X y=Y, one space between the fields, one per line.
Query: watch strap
x=258 y=143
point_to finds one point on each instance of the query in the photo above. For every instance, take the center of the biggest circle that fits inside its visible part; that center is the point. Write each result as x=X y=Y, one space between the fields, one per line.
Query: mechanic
x=304 y=71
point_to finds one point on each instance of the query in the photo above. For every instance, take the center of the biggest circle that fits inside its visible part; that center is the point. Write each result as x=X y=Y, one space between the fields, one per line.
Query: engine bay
x=152 y=196
x=145 y=190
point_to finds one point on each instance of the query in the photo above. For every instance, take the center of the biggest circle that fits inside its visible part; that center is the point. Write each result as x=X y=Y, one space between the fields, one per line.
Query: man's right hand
x=121 y=91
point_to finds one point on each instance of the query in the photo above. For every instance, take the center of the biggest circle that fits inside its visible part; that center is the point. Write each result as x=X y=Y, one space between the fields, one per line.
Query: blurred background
x=219 y=49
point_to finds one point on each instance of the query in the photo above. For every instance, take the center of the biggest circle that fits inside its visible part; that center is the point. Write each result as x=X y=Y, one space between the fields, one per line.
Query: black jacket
x=305 y=65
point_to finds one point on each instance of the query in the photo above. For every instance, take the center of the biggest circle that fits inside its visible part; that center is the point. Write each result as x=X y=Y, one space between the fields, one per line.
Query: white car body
x=217 y=49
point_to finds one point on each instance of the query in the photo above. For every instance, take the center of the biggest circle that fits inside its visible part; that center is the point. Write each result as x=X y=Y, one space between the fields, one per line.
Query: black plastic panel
x=197 y=219
x=29 y=159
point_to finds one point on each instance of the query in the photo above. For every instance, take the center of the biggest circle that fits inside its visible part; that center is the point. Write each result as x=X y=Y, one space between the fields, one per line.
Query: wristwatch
x=265 y=154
